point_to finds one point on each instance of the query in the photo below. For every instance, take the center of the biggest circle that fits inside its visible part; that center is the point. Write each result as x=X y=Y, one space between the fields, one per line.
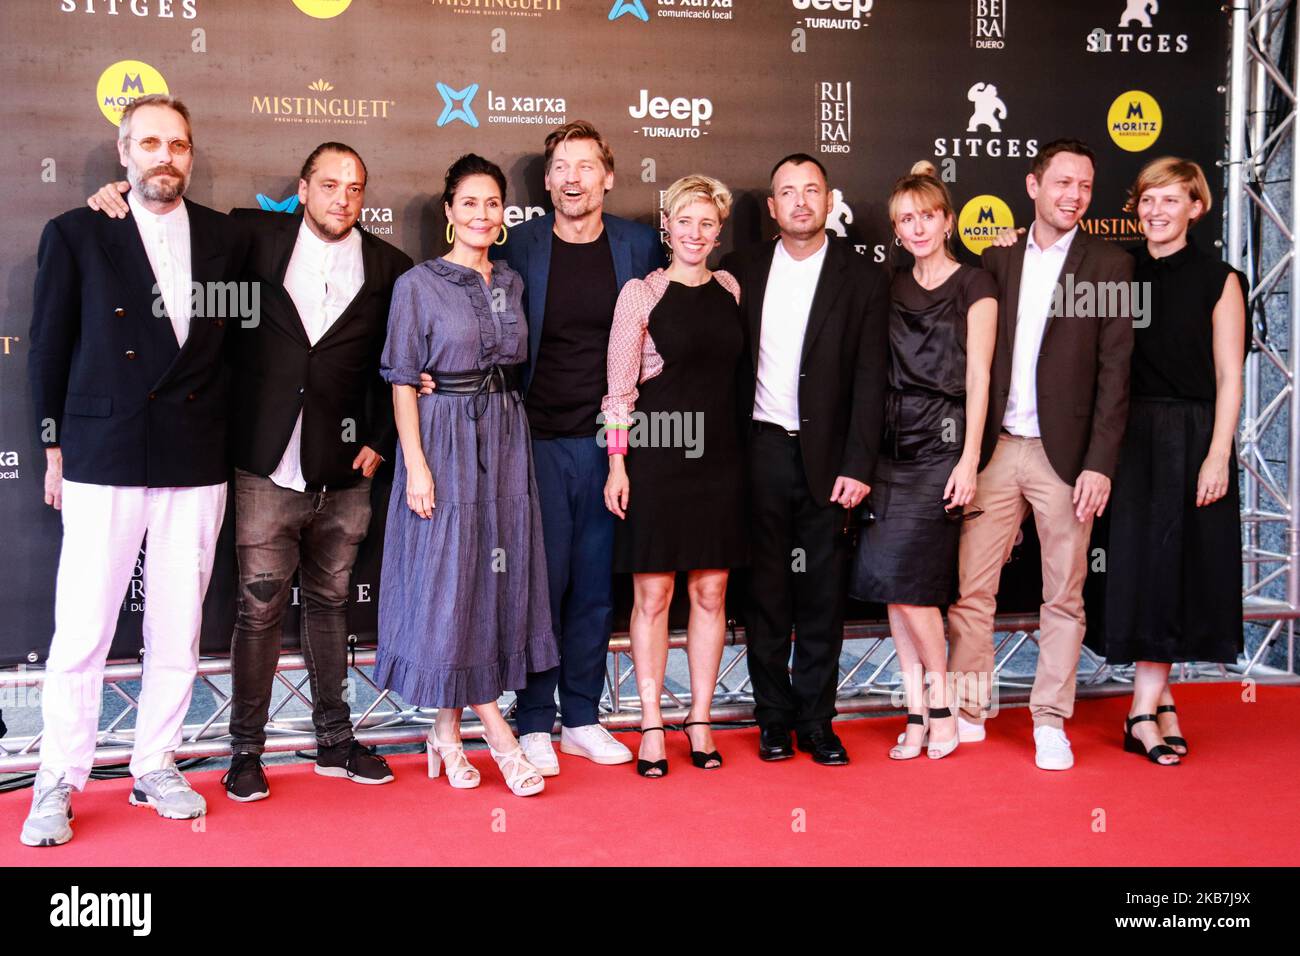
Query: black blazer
x=844 y=365
x=110 y=385
x=334 y=383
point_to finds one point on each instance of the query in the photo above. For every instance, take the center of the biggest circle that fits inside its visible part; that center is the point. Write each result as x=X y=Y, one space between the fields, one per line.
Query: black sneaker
x=245 y=781
x=350 y=759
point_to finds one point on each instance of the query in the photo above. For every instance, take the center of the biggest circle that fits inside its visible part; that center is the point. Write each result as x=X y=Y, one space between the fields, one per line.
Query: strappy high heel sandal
x=699 y=757
x=939 y=750
x=908 y=751
x=460 y=772
x=1134 y=746
x=1172 y=741
x=516 y=768
x=644 y=767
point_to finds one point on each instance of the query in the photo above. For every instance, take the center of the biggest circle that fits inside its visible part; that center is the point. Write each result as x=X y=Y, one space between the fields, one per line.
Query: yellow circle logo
x=123 y=82
x=1134 y=121
x=981 y=220
x=322 y=9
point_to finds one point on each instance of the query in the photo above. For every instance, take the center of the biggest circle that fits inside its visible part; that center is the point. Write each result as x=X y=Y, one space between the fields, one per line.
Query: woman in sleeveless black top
x=676 y=475
x=1172 y=587
x=942 y=328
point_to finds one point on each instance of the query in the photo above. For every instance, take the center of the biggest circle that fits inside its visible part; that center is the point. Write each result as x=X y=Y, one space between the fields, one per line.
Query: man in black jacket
x=313 y=421
x=131 y=388
x=818 y=347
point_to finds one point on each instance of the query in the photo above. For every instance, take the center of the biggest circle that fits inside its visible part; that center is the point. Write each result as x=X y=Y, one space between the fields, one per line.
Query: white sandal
x=516 y=768
x=910 y=751
x=460 y=772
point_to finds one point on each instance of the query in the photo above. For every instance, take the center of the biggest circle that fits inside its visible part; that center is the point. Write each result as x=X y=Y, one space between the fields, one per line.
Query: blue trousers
x=578 y=532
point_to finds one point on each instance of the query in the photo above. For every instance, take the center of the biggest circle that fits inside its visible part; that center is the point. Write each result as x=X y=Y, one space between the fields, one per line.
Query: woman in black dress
x=1173 y=578
x=942 y=329
x=675 y=459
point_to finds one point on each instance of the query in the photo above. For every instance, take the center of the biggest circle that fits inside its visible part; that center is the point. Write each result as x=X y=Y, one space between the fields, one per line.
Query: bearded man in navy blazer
x=574 y=262
x=131 y=388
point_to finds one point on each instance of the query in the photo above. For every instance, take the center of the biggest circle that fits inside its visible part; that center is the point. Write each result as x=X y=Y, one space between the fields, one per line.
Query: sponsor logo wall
x=723 y=87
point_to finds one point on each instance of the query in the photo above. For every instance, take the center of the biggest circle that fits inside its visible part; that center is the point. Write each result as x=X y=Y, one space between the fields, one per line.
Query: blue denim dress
x=464 y=613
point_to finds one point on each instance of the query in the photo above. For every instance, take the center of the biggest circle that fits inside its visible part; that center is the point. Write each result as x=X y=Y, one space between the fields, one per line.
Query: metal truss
x=1262 y=229
x=868 y=681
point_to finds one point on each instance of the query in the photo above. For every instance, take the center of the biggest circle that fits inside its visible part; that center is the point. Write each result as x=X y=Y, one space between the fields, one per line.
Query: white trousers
x=103 y=526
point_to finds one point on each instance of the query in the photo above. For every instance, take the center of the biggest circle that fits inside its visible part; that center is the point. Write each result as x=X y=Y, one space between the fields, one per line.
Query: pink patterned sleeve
x=632 y=357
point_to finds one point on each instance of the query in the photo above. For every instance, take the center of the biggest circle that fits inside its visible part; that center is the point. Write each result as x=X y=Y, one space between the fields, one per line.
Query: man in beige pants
x=1057 y=406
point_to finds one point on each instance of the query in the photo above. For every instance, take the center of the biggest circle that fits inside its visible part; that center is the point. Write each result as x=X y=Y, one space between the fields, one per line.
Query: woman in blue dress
x=463 y=611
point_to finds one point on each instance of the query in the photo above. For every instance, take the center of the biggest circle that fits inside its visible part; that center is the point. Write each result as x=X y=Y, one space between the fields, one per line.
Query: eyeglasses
x=151 y=144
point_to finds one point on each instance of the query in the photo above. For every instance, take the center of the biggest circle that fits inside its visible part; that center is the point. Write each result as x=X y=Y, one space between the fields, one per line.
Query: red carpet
x=1230 y=803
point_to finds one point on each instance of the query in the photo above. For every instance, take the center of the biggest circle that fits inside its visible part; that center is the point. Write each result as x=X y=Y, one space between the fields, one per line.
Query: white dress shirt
x=1038 y=279
x=322 y=279
x=166 y=241
x=791 y=284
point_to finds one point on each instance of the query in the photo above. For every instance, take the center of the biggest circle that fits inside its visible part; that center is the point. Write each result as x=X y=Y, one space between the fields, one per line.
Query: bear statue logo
x=1139 y=10
x=989 y=108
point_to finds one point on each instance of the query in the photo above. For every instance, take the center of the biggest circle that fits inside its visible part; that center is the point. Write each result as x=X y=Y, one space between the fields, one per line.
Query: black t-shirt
x=1173 y=356
x=569 y=380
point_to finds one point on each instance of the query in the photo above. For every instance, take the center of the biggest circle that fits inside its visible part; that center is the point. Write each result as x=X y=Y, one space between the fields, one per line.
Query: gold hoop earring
x=501 y=239
x=451 y=234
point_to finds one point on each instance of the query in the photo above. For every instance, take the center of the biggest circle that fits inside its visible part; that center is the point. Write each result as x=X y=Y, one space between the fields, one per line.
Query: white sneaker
x=1052 y=749
x=969 y=732
x=593 y=742
x=540 y=753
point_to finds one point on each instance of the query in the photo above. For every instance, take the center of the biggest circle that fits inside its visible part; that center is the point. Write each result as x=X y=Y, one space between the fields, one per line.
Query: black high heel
x=643 y=767
x=1172 y=741
x=1134 y=746
x=699 y=757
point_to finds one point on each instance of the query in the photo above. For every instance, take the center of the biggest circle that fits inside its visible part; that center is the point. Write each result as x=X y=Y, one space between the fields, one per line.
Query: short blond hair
x=697 y=188
x=153 y=99
x=1166 y=171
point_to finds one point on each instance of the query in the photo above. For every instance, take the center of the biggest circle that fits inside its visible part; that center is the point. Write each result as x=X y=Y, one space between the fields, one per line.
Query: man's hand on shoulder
x=110 y=199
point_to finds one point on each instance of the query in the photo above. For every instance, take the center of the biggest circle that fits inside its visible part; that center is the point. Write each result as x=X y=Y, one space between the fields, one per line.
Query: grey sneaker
x=47 y=823
x=169 y=793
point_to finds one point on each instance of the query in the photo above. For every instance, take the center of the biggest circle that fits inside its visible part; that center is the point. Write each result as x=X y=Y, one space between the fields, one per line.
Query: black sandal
x=1173 y=741
x=1134 y=746
x=699 y=757
x=644 y=767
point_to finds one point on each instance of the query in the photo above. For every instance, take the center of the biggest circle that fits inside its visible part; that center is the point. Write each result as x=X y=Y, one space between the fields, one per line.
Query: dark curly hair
x=471 y=164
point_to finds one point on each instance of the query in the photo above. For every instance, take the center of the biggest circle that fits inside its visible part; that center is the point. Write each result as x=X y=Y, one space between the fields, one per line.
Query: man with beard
x=312 y=420
x=130 y=390
x=574 y=262
x=818 y=349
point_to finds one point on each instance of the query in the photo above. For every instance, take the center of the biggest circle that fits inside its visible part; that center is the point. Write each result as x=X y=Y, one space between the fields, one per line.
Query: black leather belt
x=478 y=384
x=763 y=426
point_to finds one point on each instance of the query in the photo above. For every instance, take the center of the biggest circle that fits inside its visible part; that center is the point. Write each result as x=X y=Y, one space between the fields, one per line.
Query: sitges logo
x=163 y=9
x=321 y=105
x=123 y=83
x=1136 y=23
x=845 y=14
x=988 y=114
x=689 y=113
x=981 y=219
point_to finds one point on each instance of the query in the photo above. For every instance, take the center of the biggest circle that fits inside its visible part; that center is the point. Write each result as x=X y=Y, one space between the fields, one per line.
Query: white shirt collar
x=319 y=247
x=1061 y=245
x=143 y=214
x=809 y=261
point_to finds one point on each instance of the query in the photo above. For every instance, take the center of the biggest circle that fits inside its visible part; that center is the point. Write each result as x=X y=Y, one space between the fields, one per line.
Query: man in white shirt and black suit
x=312 y=422
x=130 y=385
x=818 y=322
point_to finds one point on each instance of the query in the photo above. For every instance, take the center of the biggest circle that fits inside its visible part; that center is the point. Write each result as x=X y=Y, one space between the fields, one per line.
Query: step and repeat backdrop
x=724 y=87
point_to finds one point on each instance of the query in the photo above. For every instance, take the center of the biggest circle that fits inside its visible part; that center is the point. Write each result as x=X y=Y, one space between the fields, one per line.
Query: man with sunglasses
x=130 y=390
